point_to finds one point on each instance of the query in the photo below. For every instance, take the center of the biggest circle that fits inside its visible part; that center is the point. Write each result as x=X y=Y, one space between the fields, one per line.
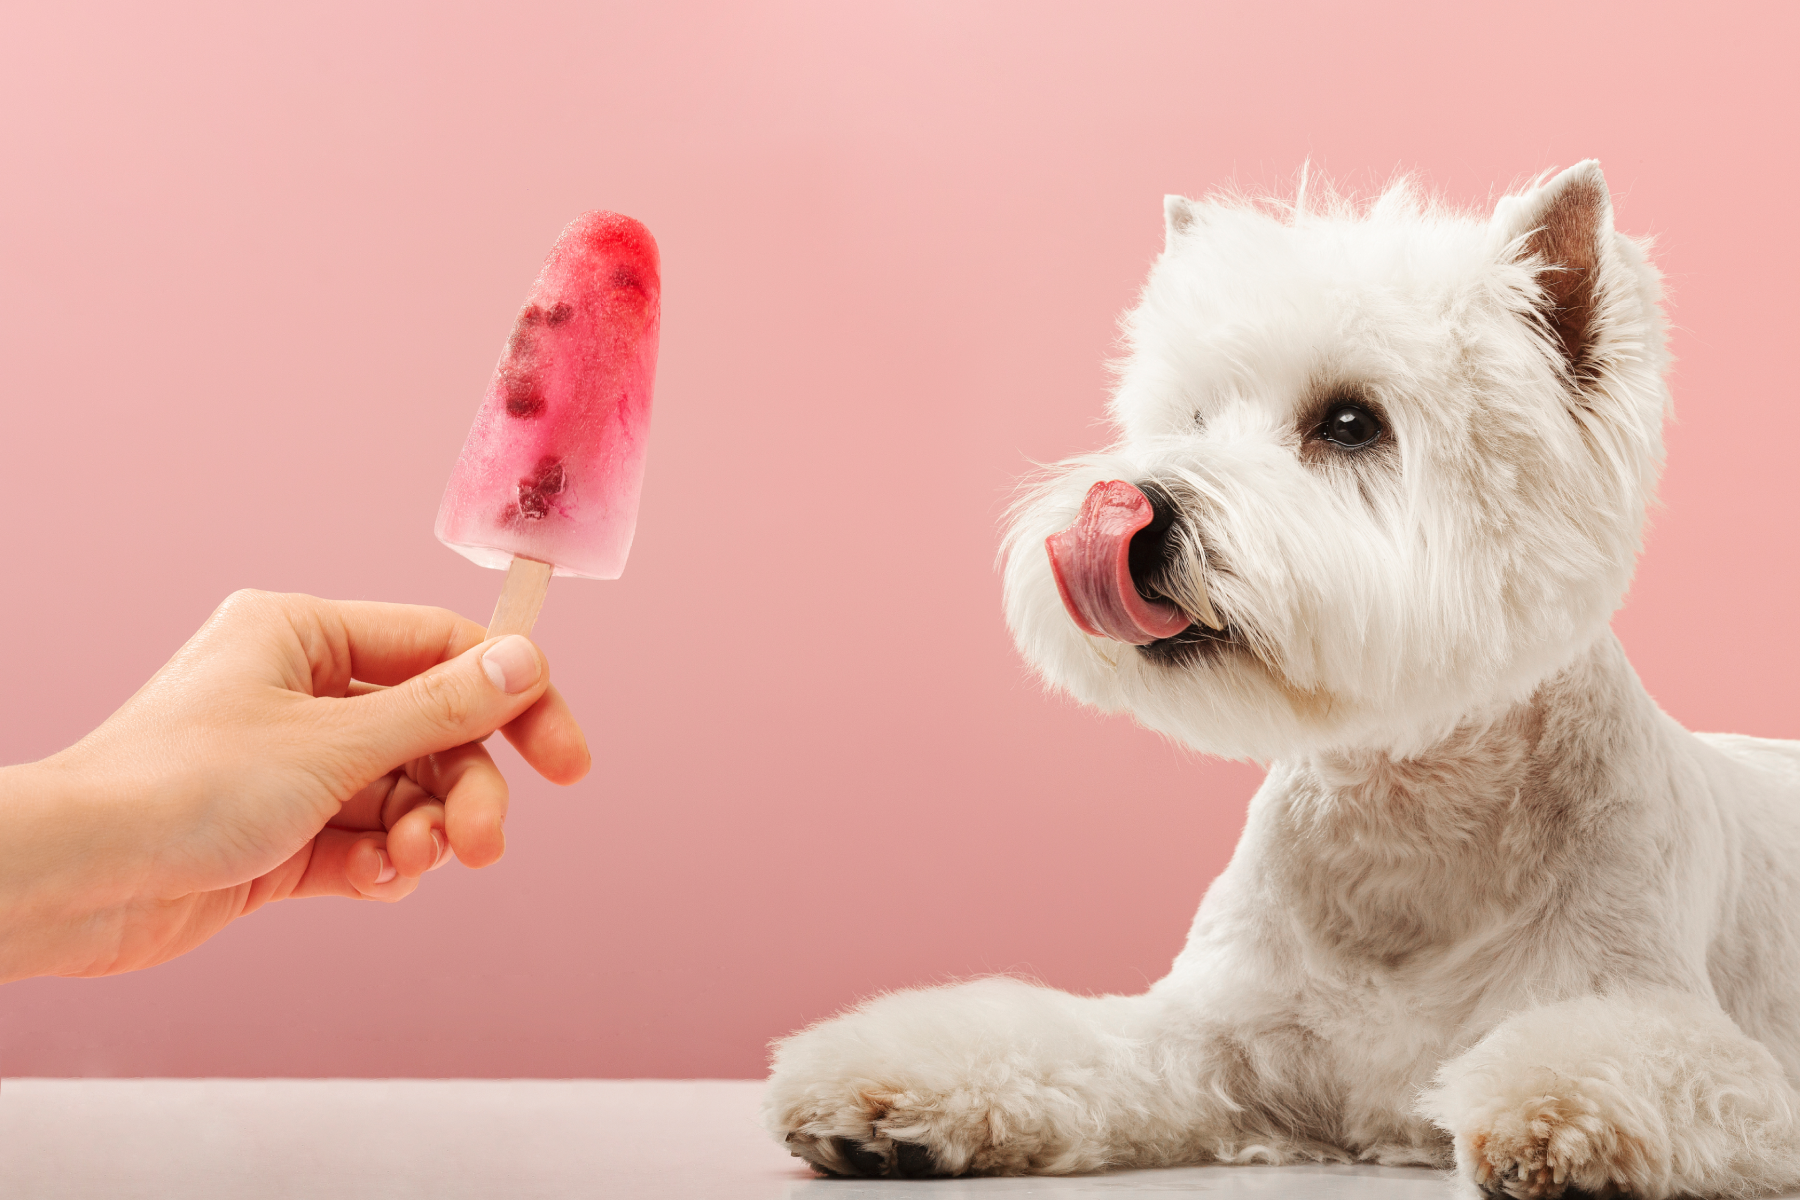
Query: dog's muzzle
x=1091 y=560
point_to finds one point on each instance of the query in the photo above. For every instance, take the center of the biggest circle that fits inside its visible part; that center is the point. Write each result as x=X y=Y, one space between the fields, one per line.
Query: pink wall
x=256 y=263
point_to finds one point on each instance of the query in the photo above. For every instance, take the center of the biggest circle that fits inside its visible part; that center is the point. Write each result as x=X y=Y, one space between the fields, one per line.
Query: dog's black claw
x=861 y=1161
x=913 y=1161
x=1495 y=1188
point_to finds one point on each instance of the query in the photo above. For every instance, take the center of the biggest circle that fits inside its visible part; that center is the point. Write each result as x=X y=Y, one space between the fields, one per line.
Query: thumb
x=462 y=700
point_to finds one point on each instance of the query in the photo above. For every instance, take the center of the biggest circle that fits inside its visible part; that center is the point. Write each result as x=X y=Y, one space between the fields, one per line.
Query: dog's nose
x=1149 y=552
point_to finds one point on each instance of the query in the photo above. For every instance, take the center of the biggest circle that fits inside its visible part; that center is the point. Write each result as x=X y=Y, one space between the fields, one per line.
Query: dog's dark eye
x=1351 y=426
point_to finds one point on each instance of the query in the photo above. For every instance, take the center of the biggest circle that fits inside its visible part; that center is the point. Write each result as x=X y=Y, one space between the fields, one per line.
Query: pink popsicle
x=553 y=466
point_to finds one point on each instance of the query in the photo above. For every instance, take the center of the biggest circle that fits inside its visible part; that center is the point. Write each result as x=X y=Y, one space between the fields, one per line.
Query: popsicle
x=548 y=480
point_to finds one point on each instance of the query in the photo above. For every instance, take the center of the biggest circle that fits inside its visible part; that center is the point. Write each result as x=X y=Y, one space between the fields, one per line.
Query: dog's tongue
x=1092 y=563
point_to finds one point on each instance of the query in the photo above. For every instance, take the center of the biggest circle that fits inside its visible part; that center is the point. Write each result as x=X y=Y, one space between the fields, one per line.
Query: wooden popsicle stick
x=520 y=597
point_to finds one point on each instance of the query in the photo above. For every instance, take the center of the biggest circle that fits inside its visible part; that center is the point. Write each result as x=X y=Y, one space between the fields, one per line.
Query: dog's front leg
x=990 y=1077
x=1650 y=1095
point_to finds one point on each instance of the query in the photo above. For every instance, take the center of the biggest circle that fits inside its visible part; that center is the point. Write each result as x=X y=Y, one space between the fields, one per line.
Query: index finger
x=381 y=643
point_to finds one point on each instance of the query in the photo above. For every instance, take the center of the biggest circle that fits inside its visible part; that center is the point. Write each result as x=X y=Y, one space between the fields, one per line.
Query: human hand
x=293 y=747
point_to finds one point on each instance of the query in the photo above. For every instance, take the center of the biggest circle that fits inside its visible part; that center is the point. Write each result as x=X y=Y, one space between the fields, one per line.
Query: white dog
x=1379 y=485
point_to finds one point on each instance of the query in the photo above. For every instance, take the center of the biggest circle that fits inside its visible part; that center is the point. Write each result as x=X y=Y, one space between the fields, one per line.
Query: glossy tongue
x=1092 y=563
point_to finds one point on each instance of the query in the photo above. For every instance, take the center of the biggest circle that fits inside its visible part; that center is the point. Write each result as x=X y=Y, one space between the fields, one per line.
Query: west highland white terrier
x=1379 y=484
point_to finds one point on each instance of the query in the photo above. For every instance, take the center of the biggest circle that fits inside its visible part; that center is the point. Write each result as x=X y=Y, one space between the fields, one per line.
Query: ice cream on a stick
x=548 y=480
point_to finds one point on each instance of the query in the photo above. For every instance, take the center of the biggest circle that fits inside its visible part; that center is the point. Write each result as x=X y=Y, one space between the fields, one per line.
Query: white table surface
x=300 y=1139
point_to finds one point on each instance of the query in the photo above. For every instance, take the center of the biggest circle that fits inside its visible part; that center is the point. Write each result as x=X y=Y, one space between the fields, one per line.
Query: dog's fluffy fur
x=1492 y=908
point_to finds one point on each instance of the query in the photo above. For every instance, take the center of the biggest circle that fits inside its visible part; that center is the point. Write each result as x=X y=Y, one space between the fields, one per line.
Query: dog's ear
x=1178 y=217
x=1565 y=229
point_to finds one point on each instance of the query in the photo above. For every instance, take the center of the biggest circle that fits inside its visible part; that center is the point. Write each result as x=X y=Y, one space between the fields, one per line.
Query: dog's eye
x=1351 y=426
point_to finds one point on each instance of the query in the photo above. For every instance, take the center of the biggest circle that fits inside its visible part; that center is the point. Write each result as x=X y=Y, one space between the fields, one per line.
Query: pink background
x=256 y=263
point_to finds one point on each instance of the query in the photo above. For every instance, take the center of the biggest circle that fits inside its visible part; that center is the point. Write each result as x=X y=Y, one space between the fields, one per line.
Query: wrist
x=56 y=869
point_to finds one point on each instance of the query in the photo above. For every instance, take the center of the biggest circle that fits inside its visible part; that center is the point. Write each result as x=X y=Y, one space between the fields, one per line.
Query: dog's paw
x=994 y=1077
x=873 y=1130
x=1651 y=1096
x=1551 y=1146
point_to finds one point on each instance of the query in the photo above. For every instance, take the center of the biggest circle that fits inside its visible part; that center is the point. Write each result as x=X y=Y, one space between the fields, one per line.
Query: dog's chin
x=1194 y=645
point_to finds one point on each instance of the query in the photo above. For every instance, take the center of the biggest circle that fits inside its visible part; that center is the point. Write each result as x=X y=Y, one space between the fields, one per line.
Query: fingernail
x=387 y=871
x=437 y=839
x=511 y=663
